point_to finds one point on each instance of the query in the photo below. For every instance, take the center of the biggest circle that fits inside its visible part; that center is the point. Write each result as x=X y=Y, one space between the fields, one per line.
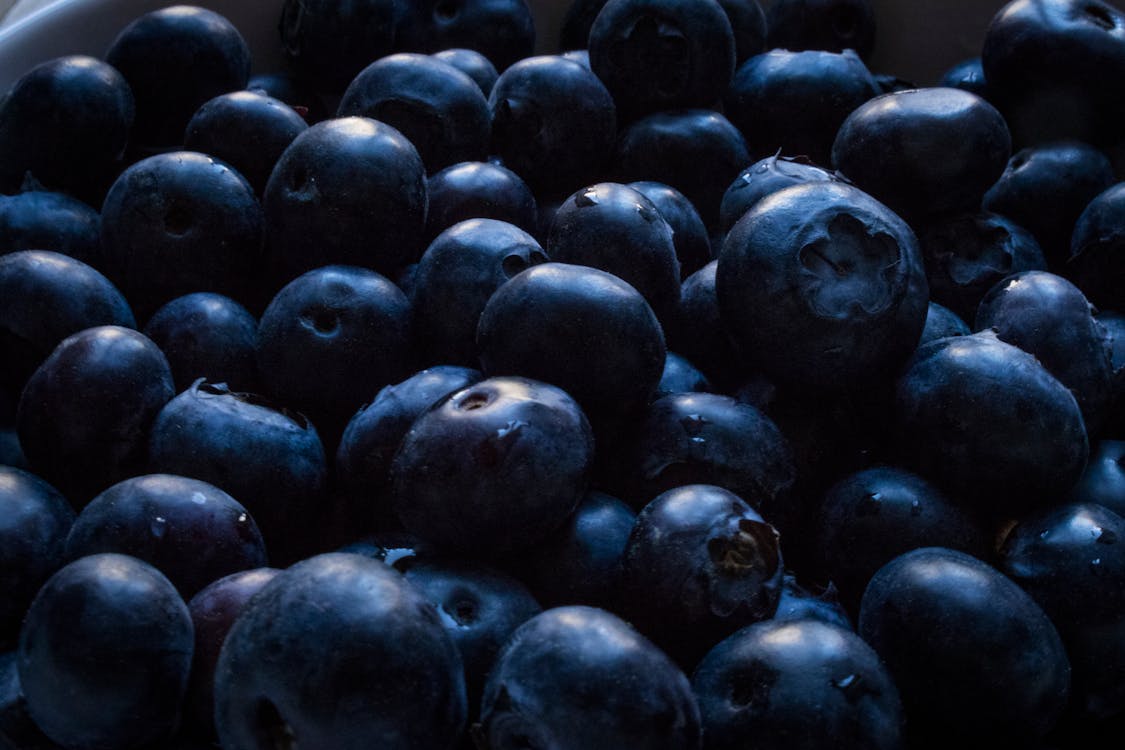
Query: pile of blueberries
x=696 y=388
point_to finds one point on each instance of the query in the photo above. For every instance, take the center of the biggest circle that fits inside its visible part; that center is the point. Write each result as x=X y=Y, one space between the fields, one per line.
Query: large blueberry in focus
x=437 y=107
x=834 y=25
x=802 y=685
x=699 y=564
x=207 y=335
x=246 y=129
x=85 y=414
x=456 y=277
x=553 y=124
x=213 y=613
x=794 y=102
x=191 y=531
x=582 y=329
x=478 y=190
x=1097 y=249
x=1045 y=188
x=989 y=424
x=1071 y=559
x=823 y=285
x=328 y=42
x=617 y=229
x=975 y=659
x=65 y=122
x=175 y=59
x=924 y=151
x=966 y=254
x=270 y=458
x=350 y=191
x=494 y=467
x=330 y=339
x=576 y=678
x=480 y=608
x=1048 y=64
x=1046 y=315
x=182 y=222
x=365 y=452
x=47 y=297
x=874 y=515
x=34 y=522
x=340 y=652
x=104 y=654
x=705 y=438
x=580 y=563
x=696 y=151
x=42 y=220
x=655 y=55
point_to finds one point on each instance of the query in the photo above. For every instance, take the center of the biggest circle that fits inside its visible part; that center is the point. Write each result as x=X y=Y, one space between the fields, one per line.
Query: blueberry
x=182 y=222
x=36 y=520
x=479 y=606
x=213 y=612
x=764 y=177
x=797 y=685
x=191 y=531
x=689 y=235
x=1095 y=263
x=801 y=602
x=501 y=30
x=65 y=122
x=494 y=467
x=579 y=677
x=1049 y=317
x=615 y=228
x=699 y=564
x=1045 y=60
x=748 y=22
x=581 y=561
x=681 y=376
x=794 y=102
x=339 y=651
x=295 y=91
x=456 y=277
x=698 y=332
x=705 y=438
x=807 y=277
x=924 y=151
x=874 y=515
x=473 y=64
x=207 y=335
x=42 y=220
x=967 y=75
x=1044 y=190
x=247 y=130
x=1103 y=481
x=175 y=59
x=85 y=414
x=989 y=424
x=696 y=151
x=833 y=25
x=975 y=659
x=363 y=458
x=656 y=55
x=1071 y=560
x=966 y=254
x=582 y=329
x=553 y=124
x=47 y=297
x=942 y=322
x=330 y=339
x=478 y=190
x=348 y=191
x=104 y=654
x=437 y=107
x=271 y=459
